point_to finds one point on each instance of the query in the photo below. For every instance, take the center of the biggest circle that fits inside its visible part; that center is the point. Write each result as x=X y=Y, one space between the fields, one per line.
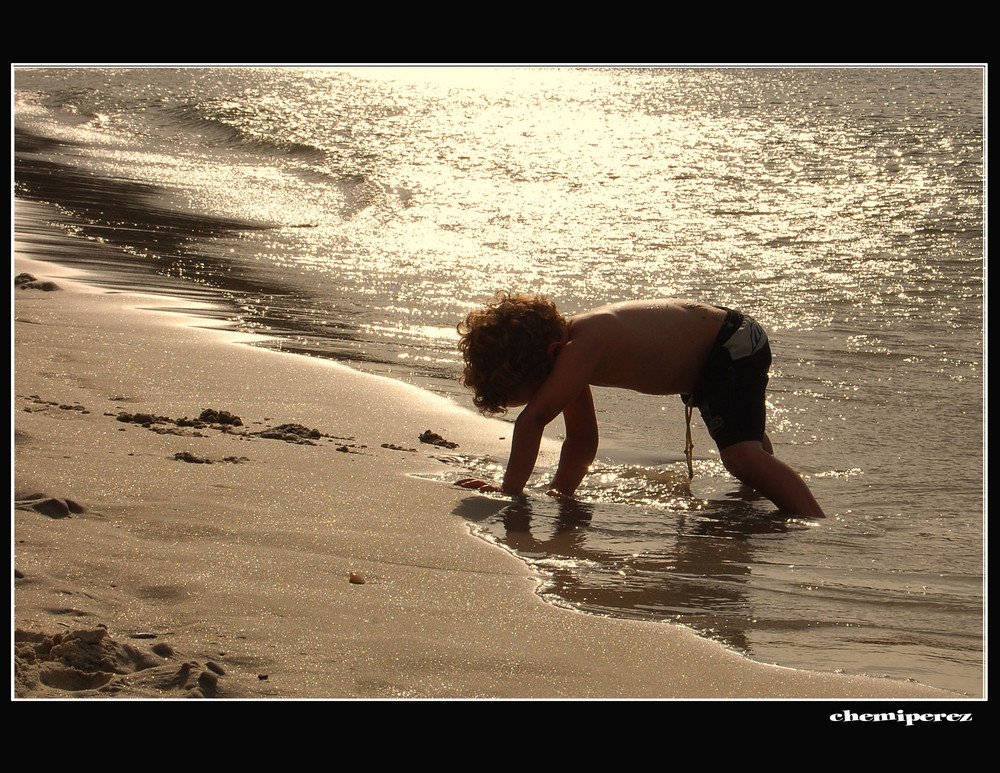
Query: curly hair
x=505 y=347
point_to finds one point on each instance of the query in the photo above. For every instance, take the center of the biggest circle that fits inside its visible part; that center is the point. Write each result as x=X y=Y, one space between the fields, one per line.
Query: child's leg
x=754 y=464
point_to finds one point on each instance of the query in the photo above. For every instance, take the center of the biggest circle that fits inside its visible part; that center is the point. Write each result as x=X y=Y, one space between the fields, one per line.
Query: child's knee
x=741 y=459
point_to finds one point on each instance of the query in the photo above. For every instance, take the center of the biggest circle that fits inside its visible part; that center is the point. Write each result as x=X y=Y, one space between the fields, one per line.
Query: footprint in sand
x=27 y=281
x=53 y=507
x=85 y=660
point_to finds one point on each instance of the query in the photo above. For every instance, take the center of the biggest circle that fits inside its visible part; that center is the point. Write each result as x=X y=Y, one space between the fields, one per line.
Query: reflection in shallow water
x=687 y=560
x=638 y=544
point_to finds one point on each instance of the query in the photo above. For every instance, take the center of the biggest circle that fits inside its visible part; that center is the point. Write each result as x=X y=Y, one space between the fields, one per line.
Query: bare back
x=656 y=346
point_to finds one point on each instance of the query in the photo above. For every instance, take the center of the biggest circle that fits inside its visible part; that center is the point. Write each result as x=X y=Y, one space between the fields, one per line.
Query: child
x=519 y=350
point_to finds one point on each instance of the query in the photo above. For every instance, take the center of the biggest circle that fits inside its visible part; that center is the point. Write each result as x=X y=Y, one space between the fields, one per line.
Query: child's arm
x=579 y=449
x=565 y=391
x=523 y=453
x=578 y=452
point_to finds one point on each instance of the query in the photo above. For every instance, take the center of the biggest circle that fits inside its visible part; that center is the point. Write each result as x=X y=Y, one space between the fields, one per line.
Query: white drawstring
x=689 y=443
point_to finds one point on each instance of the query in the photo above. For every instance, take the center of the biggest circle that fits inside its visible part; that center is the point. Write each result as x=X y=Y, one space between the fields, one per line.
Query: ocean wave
x=229 y=125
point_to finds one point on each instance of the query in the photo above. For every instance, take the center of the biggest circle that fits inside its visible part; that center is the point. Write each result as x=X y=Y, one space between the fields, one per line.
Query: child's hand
x=478 y=485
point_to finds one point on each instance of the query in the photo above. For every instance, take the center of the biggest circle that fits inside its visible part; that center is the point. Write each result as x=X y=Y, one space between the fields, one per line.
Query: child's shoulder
x=590 y=324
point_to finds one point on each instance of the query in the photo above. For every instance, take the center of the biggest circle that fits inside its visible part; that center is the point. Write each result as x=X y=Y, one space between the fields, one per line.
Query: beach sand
x=291 y=555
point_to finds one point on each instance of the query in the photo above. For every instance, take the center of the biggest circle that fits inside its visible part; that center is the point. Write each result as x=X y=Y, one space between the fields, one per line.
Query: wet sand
x=194 y=516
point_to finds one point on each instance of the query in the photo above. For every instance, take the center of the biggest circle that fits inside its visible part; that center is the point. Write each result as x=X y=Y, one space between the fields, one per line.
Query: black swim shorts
x=730 y=390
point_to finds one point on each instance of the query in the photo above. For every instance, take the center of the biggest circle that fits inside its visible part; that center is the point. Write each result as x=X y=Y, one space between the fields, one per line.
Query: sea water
x=360 y=213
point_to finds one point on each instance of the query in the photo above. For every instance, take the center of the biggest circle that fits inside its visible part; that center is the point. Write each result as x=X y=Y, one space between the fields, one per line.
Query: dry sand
x=157 y=558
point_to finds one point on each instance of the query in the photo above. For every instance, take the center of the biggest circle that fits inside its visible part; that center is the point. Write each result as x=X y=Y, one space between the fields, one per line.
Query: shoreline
x=280 y=569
